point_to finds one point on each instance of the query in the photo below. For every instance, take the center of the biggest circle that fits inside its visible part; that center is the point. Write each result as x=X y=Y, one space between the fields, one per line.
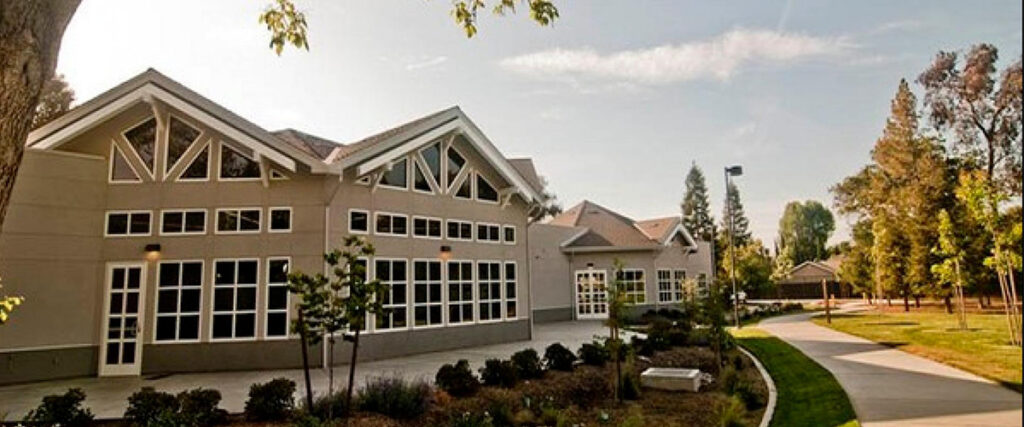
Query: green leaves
x=542 y=12
x=7 y=305
x=286 y=24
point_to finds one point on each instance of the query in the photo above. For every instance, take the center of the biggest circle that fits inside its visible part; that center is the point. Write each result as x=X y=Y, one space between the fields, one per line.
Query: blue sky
x=613 y=103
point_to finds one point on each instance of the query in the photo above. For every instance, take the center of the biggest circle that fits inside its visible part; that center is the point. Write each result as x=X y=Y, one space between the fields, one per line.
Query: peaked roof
x=527 y=170
x=412 y=128
x=659 y=228
x=313 y=145
x=604 y=229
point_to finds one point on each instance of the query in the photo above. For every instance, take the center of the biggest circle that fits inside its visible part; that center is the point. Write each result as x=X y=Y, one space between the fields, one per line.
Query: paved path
x=108 y=397
x=889 y=387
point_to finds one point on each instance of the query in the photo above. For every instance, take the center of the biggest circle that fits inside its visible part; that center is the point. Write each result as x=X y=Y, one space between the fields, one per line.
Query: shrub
x=593 y=354
x=559 y=358
x=728 y=380
x=61 y=409
x=730 y=413
x=588 y=388
x=470 y=419
x=457 y=380
x=499 y=373
x=198 y=407
x=752 y=400
x=686 y=357
x=623 y=348
x=699 y=338
x=739 y=362
x=271 y=401
x=527 y=363
x=630 y=387
x=642 y=346
x=395 y=397
x=148 y=406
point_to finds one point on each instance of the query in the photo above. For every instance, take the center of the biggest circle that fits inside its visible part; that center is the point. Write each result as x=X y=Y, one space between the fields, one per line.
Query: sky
x=613 y=103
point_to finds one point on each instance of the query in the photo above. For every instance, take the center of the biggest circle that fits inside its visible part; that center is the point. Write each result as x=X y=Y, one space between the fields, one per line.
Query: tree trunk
x=917 y=301
x=305 y=361
x=352 y=370
x=30 y=35
x=949 y=304
x=906 y=302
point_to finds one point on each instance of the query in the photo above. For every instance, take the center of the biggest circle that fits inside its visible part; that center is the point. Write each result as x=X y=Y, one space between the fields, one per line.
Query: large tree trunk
x=30 y=35
x=948 y=303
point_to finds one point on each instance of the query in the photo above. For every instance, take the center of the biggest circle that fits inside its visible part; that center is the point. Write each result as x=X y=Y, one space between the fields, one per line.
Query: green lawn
x=808 y=394
x=983 y=349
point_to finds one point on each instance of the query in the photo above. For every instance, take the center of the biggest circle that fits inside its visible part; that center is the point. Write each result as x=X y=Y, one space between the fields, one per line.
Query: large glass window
x=234 y=299
x=392 y=224
x=427 y=293
x=419 y=180
x=455 y=164
x=199 y=169
x=632 y=282
x=397 y=177
x=484 y=190
x=488 y=276
x=238 y=220
x=460 y=230
x=460 y=291
x=180 y=136
x=142 y=139
x=120 y=169
x=510 y=291
x=277 y=297
x=465 y=190
x=393 y=273
x=432 y=157
x=234 y=165
x=128 y=223
x=429 y=228
x=179 y=290
x=488 y=232
x=189 y=221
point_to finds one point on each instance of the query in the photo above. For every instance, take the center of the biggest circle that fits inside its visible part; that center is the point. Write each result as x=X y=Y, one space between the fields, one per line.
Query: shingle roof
x=310 y=144
x=362 y=144
x=605 y=228
x=525 y=168
x=658 y=228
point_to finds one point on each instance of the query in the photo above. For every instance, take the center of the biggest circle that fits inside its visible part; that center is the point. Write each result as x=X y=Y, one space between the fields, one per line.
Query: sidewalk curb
x=773 y=395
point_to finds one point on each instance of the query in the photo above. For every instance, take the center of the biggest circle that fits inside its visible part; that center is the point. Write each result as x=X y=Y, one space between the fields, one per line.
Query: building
x=151 y=231
x=804 y=281
x=572 y=257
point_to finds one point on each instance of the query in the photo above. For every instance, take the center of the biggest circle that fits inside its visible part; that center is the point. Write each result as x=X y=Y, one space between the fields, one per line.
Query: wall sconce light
x=152 y=251
x=446 y=252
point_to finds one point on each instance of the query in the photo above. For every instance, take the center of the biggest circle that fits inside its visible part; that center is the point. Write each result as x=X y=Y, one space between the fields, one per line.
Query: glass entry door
x=591 y=294
x=121 y=345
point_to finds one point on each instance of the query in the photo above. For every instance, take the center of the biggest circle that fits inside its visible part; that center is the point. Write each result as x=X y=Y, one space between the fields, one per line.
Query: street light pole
x=730 y=172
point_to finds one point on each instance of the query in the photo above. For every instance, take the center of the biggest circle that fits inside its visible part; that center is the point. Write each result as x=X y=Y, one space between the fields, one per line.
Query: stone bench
x=673 y=379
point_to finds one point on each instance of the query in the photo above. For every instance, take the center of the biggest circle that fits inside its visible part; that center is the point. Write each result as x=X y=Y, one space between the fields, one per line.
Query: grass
x=983 y=349
x=808 y=394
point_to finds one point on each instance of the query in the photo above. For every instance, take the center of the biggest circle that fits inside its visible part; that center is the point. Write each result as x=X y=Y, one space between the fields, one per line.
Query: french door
x=123 y=308
x=591 y=294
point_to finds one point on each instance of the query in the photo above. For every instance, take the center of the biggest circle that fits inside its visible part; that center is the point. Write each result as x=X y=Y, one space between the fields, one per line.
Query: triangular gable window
x=234 y=165
x=455 y=164
x=396 y=177
x=200 y=167
x=484 y=190
x=180 y=136
x=419 y=181
x=466 y=189
x=277 y=176
x=120 y=169
x=142 y=139
x=432 y=158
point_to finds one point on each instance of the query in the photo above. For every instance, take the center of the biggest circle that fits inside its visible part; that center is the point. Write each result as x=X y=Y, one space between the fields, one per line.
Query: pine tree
x=696 y=208
x=741 y=226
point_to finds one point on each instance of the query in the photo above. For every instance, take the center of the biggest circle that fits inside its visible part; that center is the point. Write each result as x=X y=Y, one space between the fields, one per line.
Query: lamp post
x=731 y=171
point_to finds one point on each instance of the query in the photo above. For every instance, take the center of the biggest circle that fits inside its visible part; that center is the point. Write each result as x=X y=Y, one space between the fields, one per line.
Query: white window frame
x=629 y=292
x=156 y=146
x=412 y=302
x=472 y=230
x=184 y=212
x=418 y=162
x=506 y=299
x=515 y=234
x=408 y=176
x=441 y=226
x=436 y=185
x=408 y=291
x=376 y=220
x=238 y=211
x=489 y=225
x=466 y=176
x=668 y=285
x=364 y=180
x=177 y=314
x=448 y=185
x=110 y=167
x=235 y=312
x=480 y=301
x=130 y=213
x=167 y=147
x=270 y=219
x=267 y=311
x=221 y=145
x=207 y=145
x=476 y=189
x=472 y=293
x=369 y=221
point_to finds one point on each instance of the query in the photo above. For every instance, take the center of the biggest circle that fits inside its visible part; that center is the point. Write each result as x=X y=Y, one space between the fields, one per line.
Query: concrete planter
x=673 y=379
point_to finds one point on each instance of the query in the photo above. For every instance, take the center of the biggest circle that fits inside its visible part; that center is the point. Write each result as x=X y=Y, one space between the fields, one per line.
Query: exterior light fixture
x=590 y=265
x=446 y=252
x=152 y=251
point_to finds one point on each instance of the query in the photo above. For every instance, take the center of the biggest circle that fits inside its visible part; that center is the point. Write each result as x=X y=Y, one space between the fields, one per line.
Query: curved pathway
x=889 y=387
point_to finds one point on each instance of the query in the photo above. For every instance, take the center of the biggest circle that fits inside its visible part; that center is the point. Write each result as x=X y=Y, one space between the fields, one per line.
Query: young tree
x=951 y=253
x=616 y=319
x=985 y=120
x=753 y=268
x=7 y=305
x=804 y=230
x=343 y=301
x=548 y=206
x=858 y=265
x=741 y=226
x=696 y=207
x=31 y=33
x=888 y=253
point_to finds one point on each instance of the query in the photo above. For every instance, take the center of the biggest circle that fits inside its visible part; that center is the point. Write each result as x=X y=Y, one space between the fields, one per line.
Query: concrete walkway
x=889 y=387
x=108 y=397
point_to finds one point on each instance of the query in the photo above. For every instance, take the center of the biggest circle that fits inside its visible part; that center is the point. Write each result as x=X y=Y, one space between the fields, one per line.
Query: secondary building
x=572 y=258
x=151 y=231
x=804 y=281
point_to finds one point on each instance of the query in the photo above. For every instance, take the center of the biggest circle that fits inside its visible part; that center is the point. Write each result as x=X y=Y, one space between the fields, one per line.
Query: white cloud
x=426 y=63
x=718 y=58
